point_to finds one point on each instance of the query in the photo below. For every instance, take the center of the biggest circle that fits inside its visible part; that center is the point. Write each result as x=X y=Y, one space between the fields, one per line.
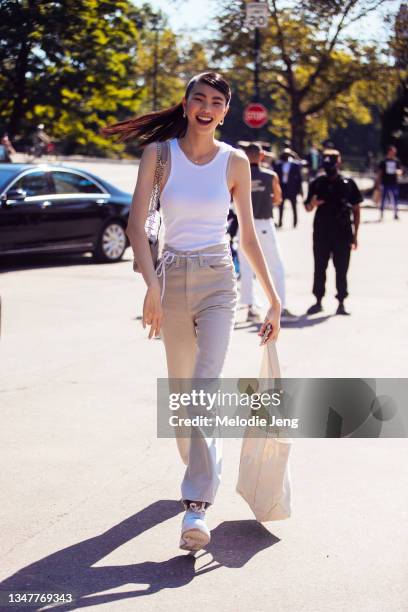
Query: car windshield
x=5 y=175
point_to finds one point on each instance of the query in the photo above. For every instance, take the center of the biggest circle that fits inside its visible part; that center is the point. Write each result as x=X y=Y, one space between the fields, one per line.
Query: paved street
x=89 y=494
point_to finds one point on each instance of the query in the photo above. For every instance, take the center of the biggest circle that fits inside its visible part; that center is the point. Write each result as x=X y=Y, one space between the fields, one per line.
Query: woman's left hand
x=273 y=319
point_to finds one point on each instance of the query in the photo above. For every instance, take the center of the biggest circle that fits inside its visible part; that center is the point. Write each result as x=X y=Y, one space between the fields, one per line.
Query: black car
x=54 y=208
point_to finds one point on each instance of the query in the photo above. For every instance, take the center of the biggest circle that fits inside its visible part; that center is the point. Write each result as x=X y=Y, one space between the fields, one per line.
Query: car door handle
x=101 y=201
x=45 y=204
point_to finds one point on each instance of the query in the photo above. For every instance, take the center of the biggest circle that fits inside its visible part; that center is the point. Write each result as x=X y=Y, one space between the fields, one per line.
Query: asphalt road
x=89 y=494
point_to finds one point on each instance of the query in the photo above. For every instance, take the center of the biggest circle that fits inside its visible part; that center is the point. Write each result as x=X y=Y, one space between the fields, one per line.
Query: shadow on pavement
x=234 y=543
x=70 y=570
x=303 y=321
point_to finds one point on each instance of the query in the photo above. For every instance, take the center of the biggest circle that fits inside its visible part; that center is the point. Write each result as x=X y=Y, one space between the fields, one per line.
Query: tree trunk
x=19 y=101
x=28 y=22
x=297 y=125
x=298 y=131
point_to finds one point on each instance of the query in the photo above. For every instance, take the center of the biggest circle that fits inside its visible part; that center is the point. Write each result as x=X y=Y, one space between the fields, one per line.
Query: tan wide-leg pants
x=199 y=302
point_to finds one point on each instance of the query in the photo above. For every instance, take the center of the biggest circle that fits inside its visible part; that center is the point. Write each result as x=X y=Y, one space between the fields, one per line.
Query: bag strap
x=161 y=160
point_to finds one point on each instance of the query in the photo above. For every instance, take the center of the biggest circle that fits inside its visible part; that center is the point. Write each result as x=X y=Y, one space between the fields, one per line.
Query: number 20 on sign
x=256 y=15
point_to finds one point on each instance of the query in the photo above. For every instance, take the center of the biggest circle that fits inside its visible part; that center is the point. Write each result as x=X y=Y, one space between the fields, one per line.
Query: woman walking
x=191 y=294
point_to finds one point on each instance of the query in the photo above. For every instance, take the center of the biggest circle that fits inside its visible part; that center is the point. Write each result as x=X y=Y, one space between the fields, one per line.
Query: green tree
x=314 y=74
x=79 y=65
x=69 y=64
x=395 y=117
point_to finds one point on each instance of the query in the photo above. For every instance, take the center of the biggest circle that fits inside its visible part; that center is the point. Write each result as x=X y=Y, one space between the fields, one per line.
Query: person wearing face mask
x=290 y=178
x=334 y=196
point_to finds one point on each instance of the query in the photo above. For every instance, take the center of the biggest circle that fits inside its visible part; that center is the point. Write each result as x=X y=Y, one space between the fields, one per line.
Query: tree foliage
x=315 y=75
x=395 y=116
x=79 y=65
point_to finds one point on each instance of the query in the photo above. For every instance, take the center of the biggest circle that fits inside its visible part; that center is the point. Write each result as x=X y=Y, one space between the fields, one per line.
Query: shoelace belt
x=168 y=257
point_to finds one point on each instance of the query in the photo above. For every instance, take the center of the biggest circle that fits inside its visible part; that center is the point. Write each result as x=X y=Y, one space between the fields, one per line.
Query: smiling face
x=205 y=107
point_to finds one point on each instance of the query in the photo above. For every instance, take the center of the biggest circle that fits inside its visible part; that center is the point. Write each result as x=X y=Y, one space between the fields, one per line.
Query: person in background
x=288 y=145
x=6 y=149
x=333 y=196
x=314 y=161
x=41 y=140
x=265 y=193
x=369 y=162
x=387 y=178
x=290 y=177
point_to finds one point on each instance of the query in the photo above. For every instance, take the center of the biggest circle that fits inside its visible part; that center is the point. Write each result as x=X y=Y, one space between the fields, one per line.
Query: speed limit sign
x=256 y=15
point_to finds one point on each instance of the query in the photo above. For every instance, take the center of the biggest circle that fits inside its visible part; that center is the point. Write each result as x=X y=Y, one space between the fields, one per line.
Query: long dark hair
x=167 y=123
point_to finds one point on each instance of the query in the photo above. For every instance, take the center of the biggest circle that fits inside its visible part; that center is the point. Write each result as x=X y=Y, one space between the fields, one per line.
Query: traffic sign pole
x=256 y=18
x=257 y=95
x=257 y=51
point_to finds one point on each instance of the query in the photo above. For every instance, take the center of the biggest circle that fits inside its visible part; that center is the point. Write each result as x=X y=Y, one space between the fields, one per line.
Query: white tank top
x=195 y=200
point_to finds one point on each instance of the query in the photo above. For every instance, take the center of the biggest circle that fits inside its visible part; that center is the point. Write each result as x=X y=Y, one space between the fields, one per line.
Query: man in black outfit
x=289 y=172
x=334 y=196
x=387 y=177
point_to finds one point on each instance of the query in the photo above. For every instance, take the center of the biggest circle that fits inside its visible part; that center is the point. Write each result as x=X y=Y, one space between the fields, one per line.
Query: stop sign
x=255 y=115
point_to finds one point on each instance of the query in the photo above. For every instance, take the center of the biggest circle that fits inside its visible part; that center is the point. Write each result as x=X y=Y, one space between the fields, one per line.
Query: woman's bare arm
x=240 y=174
x=276 y=190
x=138 y=214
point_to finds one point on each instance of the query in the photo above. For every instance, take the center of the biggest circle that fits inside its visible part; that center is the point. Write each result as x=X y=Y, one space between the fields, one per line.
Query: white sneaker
x=194 y=532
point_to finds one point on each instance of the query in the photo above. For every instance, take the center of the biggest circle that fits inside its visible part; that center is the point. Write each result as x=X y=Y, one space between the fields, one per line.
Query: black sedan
x=53 y=208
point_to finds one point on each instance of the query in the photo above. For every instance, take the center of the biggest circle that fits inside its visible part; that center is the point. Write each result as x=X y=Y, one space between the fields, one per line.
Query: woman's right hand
x=152 y=309
x=271 y=324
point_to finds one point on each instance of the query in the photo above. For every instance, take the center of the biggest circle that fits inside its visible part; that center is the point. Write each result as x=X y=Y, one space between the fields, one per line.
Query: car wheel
x=111 y=243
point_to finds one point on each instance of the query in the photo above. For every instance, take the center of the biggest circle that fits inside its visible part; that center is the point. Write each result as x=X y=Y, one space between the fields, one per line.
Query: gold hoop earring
x=221 y=122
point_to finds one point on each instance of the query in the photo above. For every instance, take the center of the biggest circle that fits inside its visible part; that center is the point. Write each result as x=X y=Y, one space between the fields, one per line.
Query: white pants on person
x=265 y=229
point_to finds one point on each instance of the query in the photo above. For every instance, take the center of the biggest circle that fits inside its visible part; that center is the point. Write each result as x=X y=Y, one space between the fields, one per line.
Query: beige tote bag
x=264 y=473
